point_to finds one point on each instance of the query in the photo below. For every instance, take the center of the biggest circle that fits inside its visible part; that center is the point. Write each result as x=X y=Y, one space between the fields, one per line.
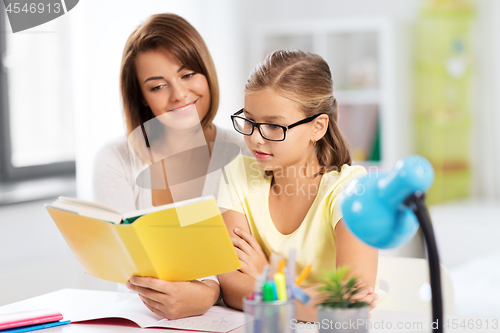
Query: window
x=36 y=115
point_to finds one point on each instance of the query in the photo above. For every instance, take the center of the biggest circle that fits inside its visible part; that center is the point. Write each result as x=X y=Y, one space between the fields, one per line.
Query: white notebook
x=86 y=305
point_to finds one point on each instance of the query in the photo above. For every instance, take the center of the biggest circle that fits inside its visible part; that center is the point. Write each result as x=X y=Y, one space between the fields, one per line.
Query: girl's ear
x=319 y=128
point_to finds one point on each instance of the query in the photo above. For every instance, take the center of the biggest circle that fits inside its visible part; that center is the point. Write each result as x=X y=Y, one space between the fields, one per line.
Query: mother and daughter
x=282 y=195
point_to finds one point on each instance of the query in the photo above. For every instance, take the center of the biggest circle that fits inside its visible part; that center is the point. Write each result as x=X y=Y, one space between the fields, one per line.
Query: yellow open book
x=177 y=242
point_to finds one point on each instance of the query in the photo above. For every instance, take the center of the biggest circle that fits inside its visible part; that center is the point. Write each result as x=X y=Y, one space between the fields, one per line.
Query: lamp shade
x=373 y=206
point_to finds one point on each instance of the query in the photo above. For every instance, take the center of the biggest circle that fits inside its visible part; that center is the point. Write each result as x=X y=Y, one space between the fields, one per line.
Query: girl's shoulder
x=244 y=170
x=337 y=179
x=242 y=175
x=244 y=166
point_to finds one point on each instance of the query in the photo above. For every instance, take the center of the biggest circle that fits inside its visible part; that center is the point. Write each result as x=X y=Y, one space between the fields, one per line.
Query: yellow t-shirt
x=245 y=189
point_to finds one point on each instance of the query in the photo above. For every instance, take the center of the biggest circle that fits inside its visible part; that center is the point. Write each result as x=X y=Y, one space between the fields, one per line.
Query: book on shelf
x=181 y=241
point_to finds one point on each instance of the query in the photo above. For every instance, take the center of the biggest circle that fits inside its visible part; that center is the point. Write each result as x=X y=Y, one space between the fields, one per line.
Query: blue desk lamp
x=384 y=211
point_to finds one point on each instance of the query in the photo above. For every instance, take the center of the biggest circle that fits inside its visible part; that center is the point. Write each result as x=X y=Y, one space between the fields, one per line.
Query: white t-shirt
x=114 y=183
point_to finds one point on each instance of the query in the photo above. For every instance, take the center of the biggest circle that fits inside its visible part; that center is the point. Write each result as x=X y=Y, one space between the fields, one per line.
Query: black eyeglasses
x=268 y=131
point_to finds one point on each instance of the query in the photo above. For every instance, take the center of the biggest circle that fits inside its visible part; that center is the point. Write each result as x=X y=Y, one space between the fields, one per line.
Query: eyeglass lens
x=268 y=131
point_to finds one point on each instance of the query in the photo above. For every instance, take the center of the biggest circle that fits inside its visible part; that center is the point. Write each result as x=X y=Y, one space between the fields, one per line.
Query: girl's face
x=269 y=107
x=178 y=96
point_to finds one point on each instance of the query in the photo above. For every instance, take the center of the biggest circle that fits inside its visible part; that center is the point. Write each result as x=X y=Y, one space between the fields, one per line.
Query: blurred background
x=410 y=76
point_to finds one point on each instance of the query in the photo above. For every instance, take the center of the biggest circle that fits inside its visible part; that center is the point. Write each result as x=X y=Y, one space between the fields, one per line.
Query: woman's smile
x=184 y=109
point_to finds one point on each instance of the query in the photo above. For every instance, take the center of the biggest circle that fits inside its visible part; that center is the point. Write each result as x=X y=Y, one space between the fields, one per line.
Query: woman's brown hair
x=176 y=35
x=305 y=78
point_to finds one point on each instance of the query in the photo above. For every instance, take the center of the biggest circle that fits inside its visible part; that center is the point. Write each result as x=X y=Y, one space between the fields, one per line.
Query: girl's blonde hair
x=305 y=78
x=176 y=35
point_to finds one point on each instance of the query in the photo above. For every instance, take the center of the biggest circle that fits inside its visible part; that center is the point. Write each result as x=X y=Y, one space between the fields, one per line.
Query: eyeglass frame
x=285 y=128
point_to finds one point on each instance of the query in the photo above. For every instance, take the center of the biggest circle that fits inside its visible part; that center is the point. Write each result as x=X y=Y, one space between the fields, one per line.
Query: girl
x=286 y=197
x=170 y=91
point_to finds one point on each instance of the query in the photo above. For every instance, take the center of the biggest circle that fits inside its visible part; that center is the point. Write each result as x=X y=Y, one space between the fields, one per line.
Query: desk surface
x=69 y=308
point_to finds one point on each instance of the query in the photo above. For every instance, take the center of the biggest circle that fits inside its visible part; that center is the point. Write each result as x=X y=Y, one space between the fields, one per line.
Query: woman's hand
x=249 y=252
x=174 y=300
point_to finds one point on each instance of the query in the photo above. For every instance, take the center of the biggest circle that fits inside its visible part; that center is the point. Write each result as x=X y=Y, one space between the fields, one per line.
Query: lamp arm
x=417 y=205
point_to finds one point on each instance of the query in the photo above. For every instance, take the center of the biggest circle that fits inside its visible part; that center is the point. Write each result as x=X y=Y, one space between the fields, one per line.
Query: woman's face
x=269 y=107
x=177 y=96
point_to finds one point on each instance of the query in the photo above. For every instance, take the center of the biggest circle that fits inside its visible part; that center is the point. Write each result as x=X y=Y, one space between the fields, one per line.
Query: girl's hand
x=250 y=253
x=365 y=294
x=174 y=300
x=309 y=312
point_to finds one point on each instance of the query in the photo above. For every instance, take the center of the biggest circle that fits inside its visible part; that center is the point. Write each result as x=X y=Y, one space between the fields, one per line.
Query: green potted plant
x=338 y=311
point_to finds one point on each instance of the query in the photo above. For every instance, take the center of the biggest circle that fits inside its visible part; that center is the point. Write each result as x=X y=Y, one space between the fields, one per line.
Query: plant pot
x=354 y=320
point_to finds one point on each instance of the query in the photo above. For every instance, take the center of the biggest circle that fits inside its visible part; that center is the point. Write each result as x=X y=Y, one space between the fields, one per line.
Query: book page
x=217 y=319
x=88 y=209
x=132 y=309
x=88 y=204
x=164 y=207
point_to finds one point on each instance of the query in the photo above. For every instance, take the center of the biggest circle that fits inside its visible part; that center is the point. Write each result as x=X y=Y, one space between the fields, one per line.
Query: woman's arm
x=361 y=258
x=237 y=284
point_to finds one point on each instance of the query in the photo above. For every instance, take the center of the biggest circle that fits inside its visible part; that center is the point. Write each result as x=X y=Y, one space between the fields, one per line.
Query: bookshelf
x=371 y=70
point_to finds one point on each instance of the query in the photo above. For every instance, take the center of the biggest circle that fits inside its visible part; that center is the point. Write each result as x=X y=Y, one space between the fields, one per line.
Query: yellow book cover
x=177 y=242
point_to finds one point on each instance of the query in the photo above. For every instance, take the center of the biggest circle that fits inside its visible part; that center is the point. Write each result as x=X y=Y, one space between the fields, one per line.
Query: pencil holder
x=269 y=317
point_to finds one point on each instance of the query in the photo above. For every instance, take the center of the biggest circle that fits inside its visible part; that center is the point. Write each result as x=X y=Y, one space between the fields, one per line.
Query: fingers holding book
x=174 y=300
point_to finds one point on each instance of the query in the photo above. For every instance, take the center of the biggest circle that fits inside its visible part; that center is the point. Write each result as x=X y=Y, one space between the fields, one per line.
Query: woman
x=170 y=97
